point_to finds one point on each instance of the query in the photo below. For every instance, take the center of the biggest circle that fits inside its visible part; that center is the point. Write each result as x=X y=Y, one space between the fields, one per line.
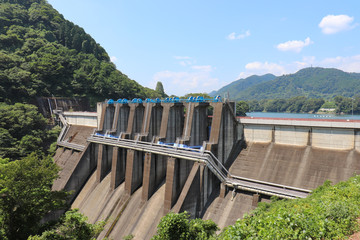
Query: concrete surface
x=82 y=118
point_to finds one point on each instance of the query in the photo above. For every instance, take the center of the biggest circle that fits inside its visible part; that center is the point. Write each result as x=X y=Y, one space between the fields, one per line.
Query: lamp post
x=352 y=106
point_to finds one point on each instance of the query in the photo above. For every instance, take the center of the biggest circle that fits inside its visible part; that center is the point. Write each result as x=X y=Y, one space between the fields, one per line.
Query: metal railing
x=60 y=141
x=208 y=158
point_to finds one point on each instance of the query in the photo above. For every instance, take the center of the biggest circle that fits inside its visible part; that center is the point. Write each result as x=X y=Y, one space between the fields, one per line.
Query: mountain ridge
x=313 y=82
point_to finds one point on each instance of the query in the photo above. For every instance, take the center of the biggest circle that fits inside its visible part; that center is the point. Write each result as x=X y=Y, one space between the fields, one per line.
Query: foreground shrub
x=330 y=212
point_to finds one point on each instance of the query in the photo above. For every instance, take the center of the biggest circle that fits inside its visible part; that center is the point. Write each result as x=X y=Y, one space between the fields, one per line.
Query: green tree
x=23 y=130
x=177 y=226
x=312 y=105
x=160 y=89
x=42 y=54
x=330 y=212
x=276 y=105
x=26 y=196
x=72 y=225
x=346 y=105
x=295 y=104
x=242 y=107
x=255 y=106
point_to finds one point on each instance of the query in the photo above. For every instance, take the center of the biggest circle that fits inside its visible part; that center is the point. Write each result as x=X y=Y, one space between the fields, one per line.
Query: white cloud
x=185 y=60
x=295 y=46
x=205 y=68
x=331 y=24
x=197 y=80
x=181 y=57
x=266 y=67
x=233 y=36
x=347 y=64
x=113 y=59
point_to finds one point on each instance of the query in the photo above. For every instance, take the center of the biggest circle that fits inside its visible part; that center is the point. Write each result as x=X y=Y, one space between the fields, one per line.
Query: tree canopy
x=313 y=82
x=42 y=54
x=330 y=212
x=160 y=89
x=175 y=226
x=23 y=130
x=298 y=104
x=26 y=196
x=72 y=225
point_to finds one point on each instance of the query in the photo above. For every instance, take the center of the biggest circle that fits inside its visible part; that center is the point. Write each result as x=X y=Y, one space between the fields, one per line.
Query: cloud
x=196 y=80
x=295 y=46
x=205 y=68
x=332 y=24
x=345 y=63
x=113 y=59
x=181 y=57
x=261 y=68
x=185 y=60
x=233 y=36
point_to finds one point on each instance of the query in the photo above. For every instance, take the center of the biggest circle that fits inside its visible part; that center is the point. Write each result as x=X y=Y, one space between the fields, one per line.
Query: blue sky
x=200 y=46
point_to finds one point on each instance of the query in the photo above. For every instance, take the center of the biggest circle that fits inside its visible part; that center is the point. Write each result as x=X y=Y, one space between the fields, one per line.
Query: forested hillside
x=234 y=88
x=309 y=82
x=42 y=54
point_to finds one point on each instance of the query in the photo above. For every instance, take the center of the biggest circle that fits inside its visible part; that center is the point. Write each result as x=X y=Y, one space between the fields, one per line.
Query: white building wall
x=334 y=138
x=291 y=135
x=82 y=118
x=258 y=133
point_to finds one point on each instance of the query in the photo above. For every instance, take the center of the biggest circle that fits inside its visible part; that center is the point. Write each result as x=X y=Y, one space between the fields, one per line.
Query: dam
x=130 y=163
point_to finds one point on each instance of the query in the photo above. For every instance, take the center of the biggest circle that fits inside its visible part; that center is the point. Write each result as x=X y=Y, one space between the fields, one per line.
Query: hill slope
x=309 y=82
x=242 y=84
x=42 y=54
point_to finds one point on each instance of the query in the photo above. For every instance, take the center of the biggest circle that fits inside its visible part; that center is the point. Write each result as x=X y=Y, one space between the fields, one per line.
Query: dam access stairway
x=144 y=159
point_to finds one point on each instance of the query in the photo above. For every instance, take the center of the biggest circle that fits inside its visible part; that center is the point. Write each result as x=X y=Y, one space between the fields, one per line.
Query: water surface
x=301 y=115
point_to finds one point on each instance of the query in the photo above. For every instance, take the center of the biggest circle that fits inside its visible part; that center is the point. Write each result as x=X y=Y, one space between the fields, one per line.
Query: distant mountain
x=309 y=82
x=242 y=84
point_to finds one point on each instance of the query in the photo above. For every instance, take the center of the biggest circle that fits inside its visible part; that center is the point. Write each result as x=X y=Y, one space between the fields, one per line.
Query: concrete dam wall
x=132 y=188
x=301 y=153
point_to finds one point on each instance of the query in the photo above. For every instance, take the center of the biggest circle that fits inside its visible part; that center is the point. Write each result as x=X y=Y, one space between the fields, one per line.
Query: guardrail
x=166 y=100
x=71 y=146
x=60 y=141
x=207 y=157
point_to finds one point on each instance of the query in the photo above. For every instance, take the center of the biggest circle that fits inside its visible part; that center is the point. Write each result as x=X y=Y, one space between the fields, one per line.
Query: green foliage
x=72 y=226
x=330 y=212
x=242 y=108
x=26 y=196
x=347 y=105
x=42 y=54
x=202 y=229
x=177 y=226
x=160 y=89
x=309 y=82
x=298 y=104
x=173 y=226
x=128 y=237
x=329 y=104
x=23 y=130
x=236 y=87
